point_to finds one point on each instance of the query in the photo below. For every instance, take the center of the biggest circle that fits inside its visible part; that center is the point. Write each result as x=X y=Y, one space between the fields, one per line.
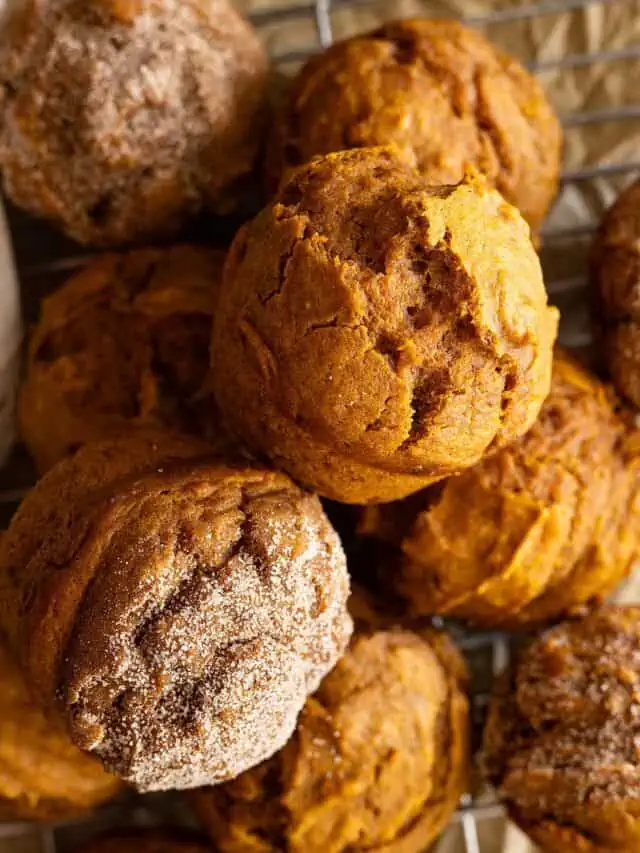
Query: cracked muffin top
x=442 y=95
x=123 y=343
x=561 y=742
x=542 y=528
x=121 y=119
x=376 y=334
x=378 y=761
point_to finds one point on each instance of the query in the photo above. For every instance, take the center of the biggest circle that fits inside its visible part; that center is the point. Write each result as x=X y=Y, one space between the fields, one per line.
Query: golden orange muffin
x=561 y=742
x=378 y=761
x=172 y=610
x=442 y=95
x=375 y=334
x=546 y=526
x=119 y=119
x=615 y=264
x=146 y=841
x=124 y=343
x=42 y=775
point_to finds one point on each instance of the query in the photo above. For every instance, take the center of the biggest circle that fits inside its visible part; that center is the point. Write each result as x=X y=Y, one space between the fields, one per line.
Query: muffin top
x=561 y=739
x=376 y=334
x=544 y=527
x=378 y=761
x=616 y=279
x=119 y=119
x=441 y=94
x=124 y=343
x=174 y=610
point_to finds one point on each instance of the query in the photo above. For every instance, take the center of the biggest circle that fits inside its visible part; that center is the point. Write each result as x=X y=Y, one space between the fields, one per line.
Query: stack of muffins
x=175 y=603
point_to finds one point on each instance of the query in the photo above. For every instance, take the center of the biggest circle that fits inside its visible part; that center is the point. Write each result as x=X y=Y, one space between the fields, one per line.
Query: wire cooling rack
x=563 y=255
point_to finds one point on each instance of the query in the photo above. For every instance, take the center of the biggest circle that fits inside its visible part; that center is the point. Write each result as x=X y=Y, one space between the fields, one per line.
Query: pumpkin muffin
x=442 y=95
x=171 y=610
x=616 y=277
x=120 y=119
x=42 y=775
x=561 y=742
x=546 y=526
x=378 y=761
x=124 y=343
x=376 y=334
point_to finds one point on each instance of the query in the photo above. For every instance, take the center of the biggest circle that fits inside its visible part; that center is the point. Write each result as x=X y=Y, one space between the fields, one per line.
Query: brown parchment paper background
x=600 y=26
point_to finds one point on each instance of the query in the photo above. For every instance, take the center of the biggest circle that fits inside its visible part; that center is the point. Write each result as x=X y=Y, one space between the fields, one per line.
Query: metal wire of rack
x=494 y=649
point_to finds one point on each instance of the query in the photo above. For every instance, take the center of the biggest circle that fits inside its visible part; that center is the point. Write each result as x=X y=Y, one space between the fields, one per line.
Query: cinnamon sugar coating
x=442 y=95
x=615 y=264
x=124 y=343
x=375 y=334
x=378 y=760
x=561 y=742
x=42 y=775
x=172 y=610
x=545 y=527
x=120 y=119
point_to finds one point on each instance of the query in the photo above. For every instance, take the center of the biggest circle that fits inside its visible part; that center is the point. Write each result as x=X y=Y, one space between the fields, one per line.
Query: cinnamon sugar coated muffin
x=119 y=119
x=561 y=742
x=615 y=266
x=42 y=775
x=548 y=525
x=124 y=343
x=378 y=761
x=375 y=334
x=439 y=92
x=173 y=611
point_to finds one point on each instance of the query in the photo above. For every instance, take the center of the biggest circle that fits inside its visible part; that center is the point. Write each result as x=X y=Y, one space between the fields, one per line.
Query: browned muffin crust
x=124 y=343
x=146 y=841
x=174 y=611
x=442 y=95
x=42 y=775
x=119 y=119
x=545 y=527
x=615 y=267
x=561 y=742
x=375 y=334
x=378 y=761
